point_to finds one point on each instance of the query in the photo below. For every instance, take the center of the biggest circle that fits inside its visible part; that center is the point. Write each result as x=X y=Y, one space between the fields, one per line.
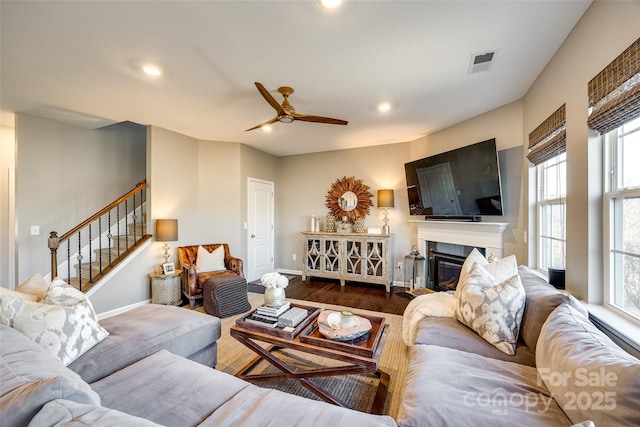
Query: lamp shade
x=166 y=230
x=385 y=198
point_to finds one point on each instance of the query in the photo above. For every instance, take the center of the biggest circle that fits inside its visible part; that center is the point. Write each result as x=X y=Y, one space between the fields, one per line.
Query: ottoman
x=225 y=295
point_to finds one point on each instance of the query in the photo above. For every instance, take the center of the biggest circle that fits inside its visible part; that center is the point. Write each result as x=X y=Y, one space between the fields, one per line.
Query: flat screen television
x=460 y=184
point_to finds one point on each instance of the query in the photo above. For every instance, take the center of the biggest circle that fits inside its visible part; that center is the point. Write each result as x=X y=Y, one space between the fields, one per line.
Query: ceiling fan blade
x=268 y=122
x=270 y=99
x=319 y=119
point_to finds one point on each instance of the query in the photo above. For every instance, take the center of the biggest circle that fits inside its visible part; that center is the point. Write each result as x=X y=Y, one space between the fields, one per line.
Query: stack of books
x=267 y=316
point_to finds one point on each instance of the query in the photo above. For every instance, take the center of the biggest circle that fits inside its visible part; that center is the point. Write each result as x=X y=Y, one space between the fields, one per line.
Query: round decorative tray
x=329 y=325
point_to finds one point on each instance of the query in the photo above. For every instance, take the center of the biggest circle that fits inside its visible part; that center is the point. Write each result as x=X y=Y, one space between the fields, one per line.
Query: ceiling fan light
x=285 y=119
x=330 y=4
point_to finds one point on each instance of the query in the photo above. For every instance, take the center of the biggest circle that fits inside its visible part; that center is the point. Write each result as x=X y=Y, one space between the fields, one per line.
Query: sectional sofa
x=563 y=372
x=154 y=368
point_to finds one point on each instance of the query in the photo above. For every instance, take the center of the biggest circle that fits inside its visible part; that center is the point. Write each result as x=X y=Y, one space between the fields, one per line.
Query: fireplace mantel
x=486 y=235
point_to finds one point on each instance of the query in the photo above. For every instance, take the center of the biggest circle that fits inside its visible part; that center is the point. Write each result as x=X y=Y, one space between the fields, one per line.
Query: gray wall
x=303 y=183
x=64 y=174
x=605 y=31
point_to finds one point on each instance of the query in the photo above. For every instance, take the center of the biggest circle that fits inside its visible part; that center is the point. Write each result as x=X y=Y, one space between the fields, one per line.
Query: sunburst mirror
x=349 y=197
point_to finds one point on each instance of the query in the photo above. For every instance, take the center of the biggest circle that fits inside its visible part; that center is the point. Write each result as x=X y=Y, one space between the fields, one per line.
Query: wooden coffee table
x=360 y=357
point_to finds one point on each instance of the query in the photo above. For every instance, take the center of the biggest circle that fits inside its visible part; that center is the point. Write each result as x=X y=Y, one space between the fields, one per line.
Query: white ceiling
x=78 y=62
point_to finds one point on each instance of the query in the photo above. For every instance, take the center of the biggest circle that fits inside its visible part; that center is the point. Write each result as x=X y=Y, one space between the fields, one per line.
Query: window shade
x=614 y=94
x=549 y=139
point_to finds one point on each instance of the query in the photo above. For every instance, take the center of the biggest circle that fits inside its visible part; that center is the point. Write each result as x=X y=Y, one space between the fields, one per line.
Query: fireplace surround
x=447 y=243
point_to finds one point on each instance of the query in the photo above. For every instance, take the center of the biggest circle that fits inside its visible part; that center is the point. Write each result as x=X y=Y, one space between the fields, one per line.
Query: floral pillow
x=492 y=308
x=64 y=322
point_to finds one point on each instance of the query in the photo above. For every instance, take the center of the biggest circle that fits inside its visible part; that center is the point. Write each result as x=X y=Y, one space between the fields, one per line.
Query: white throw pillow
x=64 y=323
x=16 y=294
x=500 y=269
x=491 y=308
x=210 y=261
x=503 y=268
x=34 y=285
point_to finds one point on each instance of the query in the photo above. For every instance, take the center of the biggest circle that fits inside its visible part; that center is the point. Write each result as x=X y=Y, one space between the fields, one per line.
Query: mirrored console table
x=358 y=257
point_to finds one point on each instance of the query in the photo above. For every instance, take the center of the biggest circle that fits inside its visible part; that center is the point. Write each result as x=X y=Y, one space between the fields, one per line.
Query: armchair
x=193 y=280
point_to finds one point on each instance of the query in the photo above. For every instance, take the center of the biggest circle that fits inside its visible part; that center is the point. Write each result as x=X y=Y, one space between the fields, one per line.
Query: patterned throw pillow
x=64 y=322
x=491 y=308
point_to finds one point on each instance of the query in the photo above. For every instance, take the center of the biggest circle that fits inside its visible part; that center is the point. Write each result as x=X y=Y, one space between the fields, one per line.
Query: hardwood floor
x=356 y=295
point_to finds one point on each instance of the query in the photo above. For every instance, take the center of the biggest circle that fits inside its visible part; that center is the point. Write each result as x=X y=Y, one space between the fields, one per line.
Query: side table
x=165 y=288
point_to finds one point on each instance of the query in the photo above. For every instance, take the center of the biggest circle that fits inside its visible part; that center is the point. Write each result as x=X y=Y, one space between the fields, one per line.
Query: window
x=622 y=218
x=552 y=190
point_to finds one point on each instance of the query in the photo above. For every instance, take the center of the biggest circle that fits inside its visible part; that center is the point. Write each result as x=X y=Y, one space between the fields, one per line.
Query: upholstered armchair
x=200 y=262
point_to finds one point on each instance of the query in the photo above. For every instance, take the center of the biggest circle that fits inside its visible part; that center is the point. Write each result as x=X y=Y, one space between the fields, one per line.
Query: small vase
x=274 y=297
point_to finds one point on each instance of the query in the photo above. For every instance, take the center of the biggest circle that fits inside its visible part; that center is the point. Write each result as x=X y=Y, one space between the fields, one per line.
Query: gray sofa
x=154 y=368
x=564 y=371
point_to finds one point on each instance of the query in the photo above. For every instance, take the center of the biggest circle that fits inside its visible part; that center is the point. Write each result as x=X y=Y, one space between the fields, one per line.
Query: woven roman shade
x=614 y=94
x=550 y=138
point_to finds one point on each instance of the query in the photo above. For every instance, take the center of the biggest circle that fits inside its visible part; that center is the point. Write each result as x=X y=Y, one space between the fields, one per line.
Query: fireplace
x=445 y=264
x=447 y=244
x=444 y=271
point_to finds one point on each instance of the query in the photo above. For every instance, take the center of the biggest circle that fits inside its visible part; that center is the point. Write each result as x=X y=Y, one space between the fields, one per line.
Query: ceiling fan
x=286 y=113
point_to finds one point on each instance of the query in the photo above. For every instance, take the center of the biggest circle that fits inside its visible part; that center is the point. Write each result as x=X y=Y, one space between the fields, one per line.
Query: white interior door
x=260 y=232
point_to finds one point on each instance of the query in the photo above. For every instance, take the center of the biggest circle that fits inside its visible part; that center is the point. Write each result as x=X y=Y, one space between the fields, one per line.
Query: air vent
x=481 y=62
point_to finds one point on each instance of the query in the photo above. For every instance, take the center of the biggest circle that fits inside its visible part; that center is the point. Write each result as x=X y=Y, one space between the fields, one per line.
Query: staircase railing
x=99 y=243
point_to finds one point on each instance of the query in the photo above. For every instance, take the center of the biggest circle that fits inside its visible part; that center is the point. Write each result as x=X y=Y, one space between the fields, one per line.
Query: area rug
x=356 y=391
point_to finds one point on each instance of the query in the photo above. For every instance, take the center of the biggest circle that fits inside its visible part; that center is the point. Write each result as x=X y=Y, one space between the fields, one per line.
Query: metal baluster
x=126 y=228
x=79 y=258
x=109 y=236
x=90 y=257
x=100 y=243
x=69 y=260
x=118 y=227
x=134 y=217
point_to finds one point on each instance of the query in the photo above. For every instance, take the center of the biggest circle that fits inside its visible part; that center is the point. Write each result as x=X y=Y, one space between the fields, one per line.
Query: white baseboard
x=122 y=309
x=287 y=271
x=299 y=273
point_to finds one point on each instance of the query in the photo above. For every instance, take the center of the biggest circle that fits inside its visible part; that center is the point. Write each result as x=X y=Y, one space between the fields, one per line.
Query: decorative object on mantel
x=166 y=231
x=349 y=199
x=274 y=284
x=330 y=224
x=358 y=226
x=385 y=200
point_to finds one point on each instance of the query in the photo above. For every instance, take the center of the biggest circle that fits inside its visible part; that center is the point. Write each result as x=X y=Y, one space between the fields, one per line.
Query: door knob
x=253 y=236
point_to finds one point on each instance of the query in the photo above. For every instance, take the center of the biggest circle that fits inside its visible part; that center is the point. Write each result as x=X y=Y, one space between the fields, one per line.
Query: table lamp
x=385 y=200
x=166 y=231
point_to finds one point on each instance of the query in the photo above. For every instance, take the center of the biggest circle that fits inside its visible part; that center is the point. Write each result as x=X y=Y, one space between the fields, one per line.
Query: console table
x=359 y=257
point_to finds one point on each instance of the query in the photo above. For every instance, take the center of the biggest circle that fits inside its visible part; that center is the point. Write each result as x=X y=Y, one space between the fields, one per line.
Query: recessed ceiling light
x=330 y=4
x=383 y=107
x=151 y=70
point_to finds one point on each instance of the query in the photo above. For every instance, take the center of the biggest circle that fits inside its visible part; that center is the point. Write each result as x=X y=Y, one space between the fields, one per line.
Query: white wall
x=7 y=207
x=64 y=174
x=605 y=30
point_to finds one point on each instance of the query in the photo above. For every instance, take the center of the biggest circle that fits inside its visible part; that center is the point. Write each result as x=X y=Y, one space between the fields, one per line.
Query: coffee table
x=360 y=356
